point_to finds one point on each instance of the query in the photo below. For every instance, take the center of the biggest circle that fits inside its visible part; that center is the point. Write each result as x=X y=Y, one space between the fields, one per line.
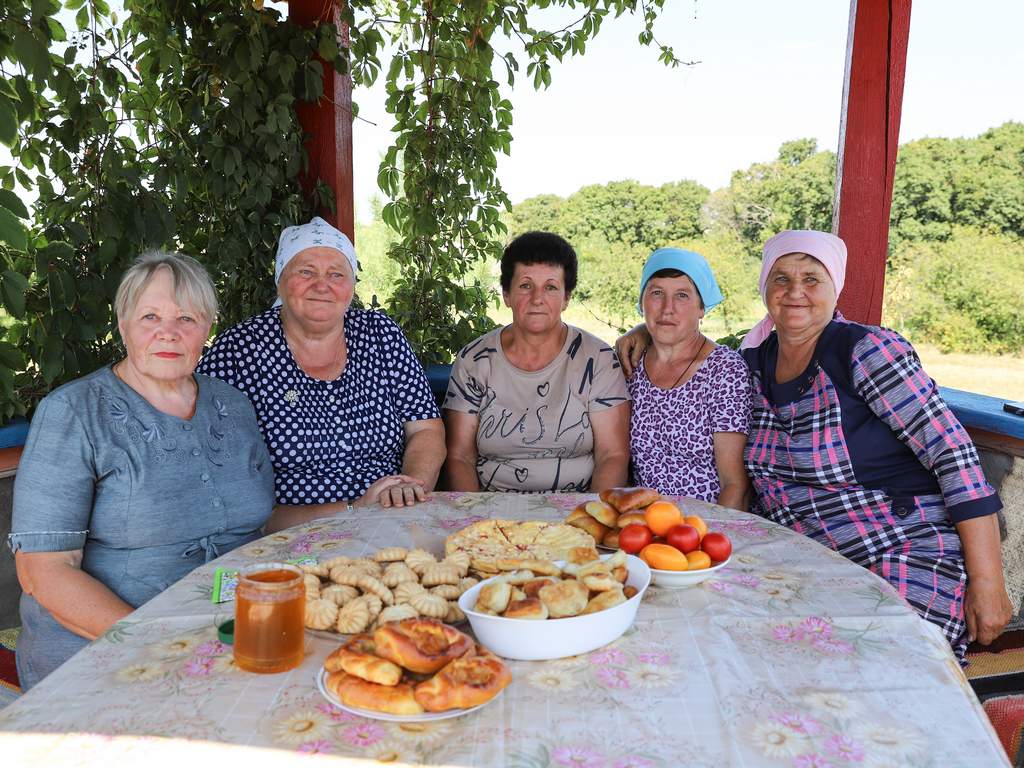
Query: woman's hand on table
x=987 y=609
x=393 y=491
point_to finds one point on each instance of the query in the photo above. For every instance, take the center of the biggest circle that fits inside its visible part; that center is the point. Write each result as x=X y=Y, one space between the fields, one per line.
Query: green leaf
x=82 y=18
x=13 y=287
x=52 y=362
x=8 y=121
x=12 y=231
x=10 y=357
x=13 y=203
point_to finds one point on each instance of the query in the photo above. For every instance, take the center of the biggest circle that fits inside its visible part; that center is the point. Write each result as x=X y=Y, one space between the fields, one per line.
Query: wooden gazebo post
x=876 y=58
x=328 y=123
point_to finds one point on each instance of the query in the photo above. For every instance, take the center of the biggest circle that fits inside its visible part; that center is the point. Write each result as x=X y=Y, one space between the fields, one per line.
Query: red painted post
x=876 y=58
x=329 y=121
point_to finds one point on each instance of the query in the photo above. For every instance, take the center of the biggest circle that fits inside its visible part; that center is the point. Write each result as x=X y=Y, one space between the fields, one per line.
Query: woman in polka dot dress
x=343 y=404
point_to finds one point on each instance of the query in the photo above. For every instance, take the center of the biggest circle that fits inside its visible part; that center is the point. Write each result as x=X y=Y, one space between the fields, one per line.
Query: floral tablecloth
x=790 y=656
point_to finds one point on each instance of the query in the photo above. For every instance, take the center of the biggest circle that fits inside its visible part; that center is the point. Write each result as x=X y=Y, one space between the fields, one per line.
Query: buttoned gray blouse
x=147 y=496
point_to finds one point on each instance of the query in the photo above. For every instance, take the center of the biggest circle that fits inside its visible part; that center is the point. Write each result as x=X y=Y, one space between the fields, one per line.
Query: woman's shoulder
x=849 y=341
x=481 y=348
x=252 y=331
x=82 y=389
x=723 y=358
x=590 y=345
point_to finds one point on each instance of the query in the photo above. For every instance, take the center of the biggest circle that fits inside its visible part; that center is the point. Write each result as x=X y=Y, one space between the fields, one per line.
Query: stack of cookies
x=349 y=595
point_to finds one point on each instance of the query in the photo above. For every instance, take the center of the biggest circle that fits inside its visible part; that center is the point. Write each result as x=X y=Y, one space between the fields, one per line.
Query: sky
x=768 y=72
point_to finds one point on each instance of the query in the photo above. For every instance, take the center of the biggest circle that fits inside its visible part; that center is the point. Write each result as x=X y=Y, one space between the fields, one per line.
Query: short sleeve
x=608 y=387
x=887 y=373
x=55 y=484
x=221 y=361
x=409 y=386
x=465 y=389
x=729 y=399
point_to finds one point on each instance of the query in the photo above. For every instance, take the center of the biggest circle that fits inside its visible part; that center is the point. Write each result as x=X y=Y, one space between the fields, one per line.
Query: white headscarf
x=317 y=234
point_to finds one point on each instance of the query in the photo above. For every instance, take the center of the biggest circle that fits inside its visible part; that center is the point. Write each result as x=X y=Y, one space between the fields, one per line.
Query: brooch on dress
x=291 y=397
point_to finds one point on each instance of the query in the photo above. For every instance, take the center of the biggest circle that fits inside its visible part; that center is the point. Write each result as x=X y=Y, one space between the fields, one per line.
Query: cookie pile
x=541 y=589
x=349 y=595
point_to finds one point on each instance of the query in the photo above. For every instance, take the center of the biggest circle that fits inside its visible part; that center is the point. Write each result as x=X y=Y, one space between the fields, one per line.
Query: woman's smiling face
x=800 y=295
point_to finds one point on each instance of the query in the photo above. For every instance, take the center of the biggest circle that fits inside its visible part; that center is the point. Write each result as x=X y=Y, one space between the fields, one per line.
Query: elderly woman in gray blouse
x=135 y=474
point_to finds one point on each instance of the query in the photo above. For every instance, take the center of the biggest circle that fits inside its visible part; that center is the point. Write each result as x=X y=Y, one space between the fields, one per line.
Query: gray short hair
x=192 y=284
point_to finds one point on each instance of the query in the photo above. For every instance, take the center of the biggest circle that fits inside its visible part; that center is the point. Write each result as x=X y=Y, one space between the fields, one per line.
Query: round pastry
x=418 y=559
x=581 y=555
x=407 y=589
x=358 y=657
x=398 y=573
x=468 y=681
x=625 y=499
x=455 y=614
x=530 y=608
x=603 y=600
x=396 y=613
x=433 y=574
x=604 y=513
x=532 y=588
x=320 y=614
x=420 y=645
x=339 y=593
x=316 y=570
x=460 y=560
x=347 y=574
x=590 y=525
x=356 y=692
x=391 y=554
x=373 y=586
x=447 y=591
x=564 y=598
x=611 y=539
x=493 y=596
x=630 y=517
x=312 y=584
x=353 y=617
x=430 y=605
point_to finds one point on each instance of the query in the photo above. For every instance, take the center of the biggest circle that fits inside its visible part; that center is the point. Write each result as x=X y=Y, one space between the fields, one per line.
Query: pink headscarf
x=826 y=248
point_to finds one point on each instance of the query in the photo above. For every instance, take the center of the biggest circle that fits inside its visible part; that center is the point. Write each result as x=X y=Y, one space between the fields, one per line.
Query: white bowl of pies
x=537 y=610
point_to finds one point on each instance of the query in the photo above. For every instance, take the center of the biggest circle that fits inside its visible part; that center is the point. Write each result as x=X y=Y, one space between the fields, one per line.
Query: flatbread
x=488 y=541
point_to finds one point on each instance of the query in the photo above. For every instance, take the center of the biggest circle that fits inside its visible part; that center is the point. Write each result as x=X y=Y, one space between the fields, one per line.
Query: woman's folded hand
x=393 y=491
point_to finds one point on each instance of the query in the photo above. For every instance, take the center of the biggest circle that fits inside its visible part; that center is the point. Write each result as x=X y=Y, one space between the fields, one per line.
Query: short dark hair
x=539 y=248
x=670 y=272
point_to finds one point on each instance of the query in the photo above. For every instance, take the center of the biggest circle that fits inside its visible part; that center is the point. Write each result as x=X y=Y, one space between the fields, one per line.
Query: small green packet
x=225 y=580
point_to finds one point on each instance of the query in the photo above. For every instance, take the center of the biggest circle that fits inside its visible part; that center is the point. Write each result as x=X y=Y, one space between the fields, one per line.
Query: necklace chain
x=690 y=364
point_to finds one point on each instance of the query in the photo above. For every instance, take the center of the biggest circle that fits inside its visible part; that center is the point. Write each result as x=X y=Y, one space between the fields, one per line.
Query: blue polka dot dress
x=328 y=440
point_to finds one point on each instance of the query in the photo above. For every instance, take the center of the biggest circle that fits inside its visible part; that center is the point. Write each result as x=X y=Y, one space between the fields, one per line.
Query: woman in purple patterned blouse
x=691 y=397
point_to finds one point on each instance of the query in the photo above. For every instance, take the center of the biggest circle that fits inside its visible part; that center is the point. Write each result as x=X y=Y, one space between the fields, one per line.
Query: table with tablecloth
x=790 y=656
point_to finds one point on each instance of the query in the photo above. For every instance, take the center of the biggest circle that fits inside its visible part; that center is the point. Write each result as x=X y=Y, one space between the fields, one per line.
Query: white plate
x=556 y=638
x=426 y=717
x=680 y=579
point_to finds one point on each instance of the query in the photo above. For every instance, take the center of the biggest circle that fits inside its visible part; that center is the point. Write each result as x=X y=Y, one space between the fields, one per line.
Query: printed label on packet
x=225 y=580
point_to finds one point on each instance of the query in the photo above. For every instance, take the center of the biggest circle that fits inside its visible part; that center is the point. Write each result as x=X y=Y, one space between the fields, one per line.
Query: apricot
x=662 y=515
x=698 y=560
x=664 y=557
x=697 y=522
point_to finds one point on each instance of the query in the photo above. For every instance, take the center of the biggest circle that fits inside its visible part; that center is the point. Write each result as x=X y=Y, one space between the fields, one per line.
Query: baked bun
x=630 y=517
x=625 y=499
x=611 y=539
x=358 y=657
x=605 y=600
x=529 y=608
x=353 y=691
x=468 y=681
x=604 y=513
x=591 y=526
x=564 y=598
x=493 y=596
x=420 y=645
x=581 y=555
x=532 y=588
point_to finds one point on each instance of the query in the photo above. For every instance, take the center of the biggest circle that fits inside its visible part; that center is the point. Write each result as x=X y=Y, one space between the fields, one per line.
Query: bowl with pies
x=412 y=670
x=542 y=609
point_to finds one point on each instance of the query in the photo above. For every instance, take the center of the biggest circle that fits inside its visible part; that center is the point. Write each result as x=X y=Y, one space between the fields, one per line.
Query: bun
x=604 y=513
x=565 y=598
x=630 y=517
x=625 y=499
x=591 y=526
x=420 y=645
x=358 y=657
x=356 y=692
x=529 y=608
x=468 y=681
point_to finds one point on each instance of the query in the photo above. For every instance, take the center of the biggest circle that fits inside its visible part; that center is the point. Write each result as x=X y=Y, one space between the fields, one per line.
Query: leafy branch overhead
x=175 y=126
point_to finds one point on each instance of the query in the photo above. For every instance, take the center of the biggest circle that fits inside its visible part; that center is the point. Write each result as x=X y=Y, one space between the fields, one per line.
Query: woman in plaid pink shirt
x=851 y=444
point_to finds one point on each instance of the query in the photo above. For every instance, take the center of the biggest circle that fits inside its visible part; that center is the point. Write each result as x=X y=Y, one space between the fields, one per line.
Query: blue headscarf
x=691 y=264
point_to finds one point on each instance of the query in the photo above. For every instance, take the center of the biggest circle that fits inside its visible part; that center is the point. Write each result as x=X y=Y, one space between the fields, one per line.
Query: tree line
x=956 y=253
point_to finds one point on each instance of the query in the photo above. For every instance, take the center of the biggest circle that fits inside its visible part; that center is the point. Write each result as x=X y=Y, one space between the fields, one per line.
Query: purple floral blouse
x=671 y=431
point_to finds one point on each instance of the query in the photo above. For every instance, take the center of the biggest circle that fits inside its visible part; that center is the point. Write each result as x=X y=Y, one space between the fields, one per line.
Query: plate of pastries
x=548 y=609
x=614 y=509
x=349 y=595
x=413 y=670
